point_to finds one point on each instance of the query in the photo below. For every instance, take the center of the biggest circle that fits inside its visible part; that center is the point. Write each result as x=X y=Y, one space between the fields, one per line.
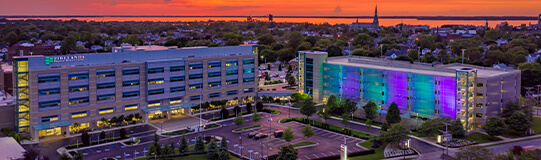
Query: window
x=247 y=61
x=196 y=66
x=130 y=83
x=47 y=79
x=232 y=82
x=248 y=90
x=193 y=98
x=105 y=74
x=175 y=100
x=130 y=94
x=42 y=92
x=231 y=62
x=106 y=110
x=176 y=79
x=154 y=103
x=215 y=64
x=215 y=74
x=176 y=68
x=155 y=91
x=49 y=104
x=78 y=88
x=479 y=84
x=195 y=76
x=105 y=97
x=248 y=70
x=155 y=70
x=177 y=89
x=247 y=80
x=105 y=85
x=130 y=71
x=195 y=86
x=79 y=100
x=232 y=72
x=50 y=118
x=78 y=76
x=215 y=84
x=214 y=95
x=156 y=81
x=232 y=92
x=131 y=107
x=79 y=114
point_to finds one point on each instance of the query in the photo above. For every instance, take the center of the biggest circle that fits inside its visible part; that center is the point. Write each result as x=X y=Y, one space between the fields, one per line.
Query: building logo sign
x=49 y=60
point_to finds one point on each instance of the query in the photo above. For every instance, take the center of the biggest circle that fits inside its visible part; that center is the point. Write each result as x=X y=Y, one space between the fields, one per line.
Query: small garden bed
x=480 y=138
x=133 y=142
x=179 y=132
x=378 y=152
x=303 y=143
x=273 y=82
x=247 y=128
x=213 y=125
x=268 y=110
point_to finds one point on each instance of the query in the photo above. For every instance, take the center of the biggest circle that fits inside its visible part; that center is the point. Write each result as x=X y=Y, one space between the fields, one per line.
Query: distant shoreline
x=466 y=18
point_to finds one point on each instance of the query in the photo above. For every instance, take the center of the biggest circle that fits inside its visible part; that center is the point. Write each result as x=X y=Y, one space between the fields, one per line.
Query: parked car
x=261 y=136
x=278 y=133
x=252 y=134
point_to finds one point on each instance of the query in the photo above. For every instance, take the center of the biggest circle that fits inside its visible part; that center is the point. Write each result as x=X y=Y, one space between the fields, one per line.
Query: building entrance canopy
x=52 y=125
x=168 y=108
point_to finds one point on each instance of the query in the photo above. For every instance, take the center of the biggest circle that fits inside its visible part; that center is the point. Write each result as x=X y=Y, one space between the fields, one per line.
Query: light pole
x=463 y=55
x=161 y=126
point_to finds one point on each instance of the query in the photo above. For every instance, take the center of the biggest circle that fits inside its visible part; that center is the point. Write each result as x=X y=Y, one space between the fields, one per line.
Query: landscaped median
x=330 y=127
x=105 y=140
x=184 y=131
x=246 y=128
x=304 y=144
x=377 y=154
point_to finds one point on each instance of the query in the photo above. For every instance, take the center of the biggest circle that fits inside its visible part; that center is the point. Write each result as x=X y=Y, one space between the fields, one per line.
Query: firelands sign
x=49 y=60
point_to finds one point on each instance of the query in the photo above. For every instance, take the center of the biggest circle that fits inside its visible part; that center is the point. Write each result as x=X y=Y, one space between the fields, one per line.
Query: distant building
x=502 y=41
x=370 y=26
x=31 y=49
x=538 y=25
x=270 y=18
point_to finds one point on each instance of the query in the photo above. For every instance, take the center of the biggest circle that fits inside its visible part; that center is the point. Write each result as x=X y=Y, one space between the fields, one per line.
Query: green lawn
x=481 y=138
x=303 y=143
x=331 y=127
x=375 y=156
x=536 y=125
x=192 y=157
x=245 y=128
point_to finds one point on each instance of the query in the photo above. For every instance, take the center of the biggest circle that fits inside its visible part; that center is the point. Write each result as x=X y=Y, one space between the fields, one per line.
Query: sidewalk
x=510 y=140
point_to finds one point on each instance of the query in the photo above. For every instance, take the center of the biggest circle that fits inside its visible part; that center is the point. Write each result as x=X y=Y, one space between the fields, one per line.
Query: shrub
x=259 y=106
x=122 y=133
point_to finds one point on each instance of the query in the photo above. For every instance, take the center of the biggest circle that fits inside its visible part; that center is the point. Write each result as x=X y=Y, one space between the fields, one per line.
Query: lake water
x=382 y=21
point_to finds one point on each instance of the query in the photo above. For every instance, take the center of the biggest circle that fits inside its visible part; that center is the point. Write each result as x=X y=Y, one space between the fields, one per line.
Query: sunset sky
x=276 y=7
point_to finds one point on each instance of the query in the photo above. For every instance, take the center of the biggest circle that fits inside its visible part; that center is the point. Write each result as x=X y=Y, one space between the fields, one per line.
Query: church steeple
x=376 y=21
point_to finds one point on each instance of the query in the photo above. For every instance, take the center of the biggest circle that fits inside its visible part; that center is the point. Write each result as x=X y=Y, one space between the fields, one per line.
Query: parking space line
x=315 y=155
x=306 y=157
x=324 y=154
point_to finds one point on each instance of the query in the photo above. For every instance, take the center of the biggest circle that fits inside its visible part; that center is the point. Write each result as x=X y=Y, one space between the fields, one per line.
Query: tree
x=393 y=114
x=249 y=107
x=288 y=135
x=530 y=75
x=307 y=131
x=510 y=108
x=157 y=150
x=413 y=54
x=183 y=147
x=102 y=135
x=24 y=37
x=295 y=39
x=290 y=80
x=287 y=152
x=212 y=151
x=239 y=120
x=11 y=38
x=457 y=129
x=224 y=152
x=332 y=103
x=137 y=116
x=473 y=152
x=199 y=145
x=133 y=39
x=395 y=134
x=85 y=138
x=495 y=126
x=280 y=67
x=266 y=39
x=334 y=51
x=518 y=123
x=153 y=150
x=78 y=156
x=232 y=39
x=522 y=154
x=362 y=40
x=256 y=117
x=259 y=106
x=349 y=107
x=324 y=113
x=268 y=68
x=224 y=113
x=31 y=154
x=370 y=110
x=122 y=133
x=289 y=68
x=345 y=120
x=308 y=108
x=68 y=44
x=237 y=110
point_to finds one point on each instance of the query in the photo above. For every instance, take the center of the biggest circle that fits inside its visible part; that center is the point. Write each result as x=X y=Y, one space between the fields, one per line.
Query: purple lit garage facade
x=420 y=90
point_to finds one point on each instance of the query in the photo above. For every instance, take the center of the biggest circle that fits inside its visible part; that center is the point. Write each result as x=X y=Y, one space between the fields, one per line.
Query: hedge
x=268 y=110
x=353 y=154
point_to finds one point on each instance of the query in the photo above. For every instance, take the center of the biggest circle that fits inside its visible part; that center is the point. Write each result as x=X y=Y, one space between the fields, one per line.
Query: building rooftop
x=10 y=149
x=134 y=56
x=6 y=99
x=313 y=52
x=421 y=68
